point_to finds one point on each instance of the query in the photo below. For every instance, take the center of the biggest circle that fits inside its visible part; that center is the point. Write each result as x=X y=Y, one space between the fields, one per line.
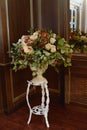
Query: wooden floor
x=70 y=117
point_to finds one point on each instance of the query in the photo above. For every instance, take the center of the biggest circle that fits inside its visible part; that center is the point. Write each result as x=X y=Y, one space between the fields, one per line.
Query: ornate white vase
x=38 y=73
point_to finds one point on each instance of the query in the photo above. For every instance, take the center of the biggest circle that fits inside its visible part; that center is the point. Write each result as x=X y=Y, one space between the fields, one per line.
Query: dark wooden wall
x=54 y=15
x=76 y=80
x=15 y=20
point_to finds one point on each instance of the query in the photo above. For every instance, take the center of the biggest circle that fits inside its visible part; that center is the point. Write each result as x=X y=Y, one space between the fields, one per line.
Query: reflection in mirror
x=78 y=15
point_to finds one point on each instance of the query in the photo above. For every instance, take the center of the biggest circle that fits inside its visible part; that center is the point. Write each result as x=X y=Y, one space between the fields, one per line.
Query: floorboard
x=61 y=117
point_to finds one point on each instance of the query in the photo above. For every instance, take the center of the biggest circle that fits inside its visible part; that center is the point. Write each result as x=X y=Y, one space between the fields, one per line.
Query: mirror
x=78 y=15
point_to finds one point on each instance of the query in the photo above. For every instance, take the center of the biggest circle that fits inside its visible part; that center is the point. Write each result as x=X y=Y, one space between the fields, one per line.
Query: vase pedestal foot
x=44 y=107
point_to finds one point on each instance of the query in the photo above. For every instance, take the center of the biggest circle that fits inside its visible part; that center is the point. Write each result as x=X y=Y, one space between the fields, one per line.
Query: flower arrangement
x=40 y=49
x=79 y=40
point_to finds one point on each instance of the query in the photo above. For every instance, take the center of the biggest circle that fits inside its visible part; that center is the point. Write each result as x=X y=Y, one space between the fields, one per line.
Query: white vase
x=38 y=80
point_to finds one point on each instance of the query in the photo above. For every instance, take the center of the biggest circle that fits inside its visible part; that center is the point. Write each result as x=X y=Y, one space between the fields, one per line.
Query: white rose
x=23 y=43
x=48 y=46
x=52 y=40
x=30 y=50
x=33 y=37
x=26 y=50
x=25 y=38
x=53 y=48
x=36 y=33
x=54 y=35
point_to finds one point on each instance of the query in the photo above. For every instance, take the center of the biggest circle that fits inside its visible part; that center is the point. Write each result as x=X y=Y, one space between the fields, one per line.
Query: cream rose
x=27 y=49
x=48 y=46
x=36 y=33
x=23 y=44
x=30 y=50
x=25 y=38
x=34 y=37
x=53 y=48
x=54 y=35
x=52 y=40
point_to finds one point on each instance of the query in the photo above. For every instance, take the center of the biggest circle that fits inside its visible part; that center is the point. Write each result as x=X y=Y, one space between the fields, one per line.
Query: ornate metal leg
x=27 y=93
x=43 y=96
x=47 y=105
x=44 y=107
x=29 y=119
x=46 y=119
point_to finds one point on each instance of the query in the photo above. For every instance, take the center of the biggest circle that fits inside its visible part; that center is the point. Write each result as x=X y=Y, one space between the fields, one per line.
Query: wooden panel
x=79 y=89
x=19 y=81
x=3 y=34
x=55 y=16
x=1 y=98
x=19 y=18
x=19 y=24
x=77 y=80
x=50 y=14
x=35 y=14
x=53 y=79
x=14 y=22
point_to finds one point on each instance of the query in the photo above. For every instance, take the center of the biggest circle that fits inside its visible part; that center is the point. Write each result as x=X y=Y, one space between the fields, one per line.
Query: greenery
x=40 y=49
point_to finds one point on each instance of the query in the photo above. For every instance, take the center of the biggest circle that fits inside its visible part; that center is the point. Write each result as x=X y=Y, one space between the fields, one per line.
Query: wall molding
x=4 y=64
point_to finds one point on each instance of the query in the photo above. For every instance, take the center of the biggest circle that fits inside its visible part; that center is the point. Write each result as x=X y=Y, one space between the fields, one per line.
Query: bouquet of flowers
x=79 y=40
x=40 y=49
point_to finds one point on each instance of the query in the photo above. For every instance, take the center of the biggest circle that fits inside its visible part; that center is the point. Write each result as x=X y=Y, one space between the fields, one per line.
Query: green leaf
x=62 y=51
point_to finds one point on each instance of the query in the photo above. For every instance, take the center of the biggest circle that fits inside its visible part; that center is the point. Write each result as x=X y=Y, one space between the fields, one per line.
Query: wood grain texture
x=77 y=90
x=14 y=22
x=70 y=117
